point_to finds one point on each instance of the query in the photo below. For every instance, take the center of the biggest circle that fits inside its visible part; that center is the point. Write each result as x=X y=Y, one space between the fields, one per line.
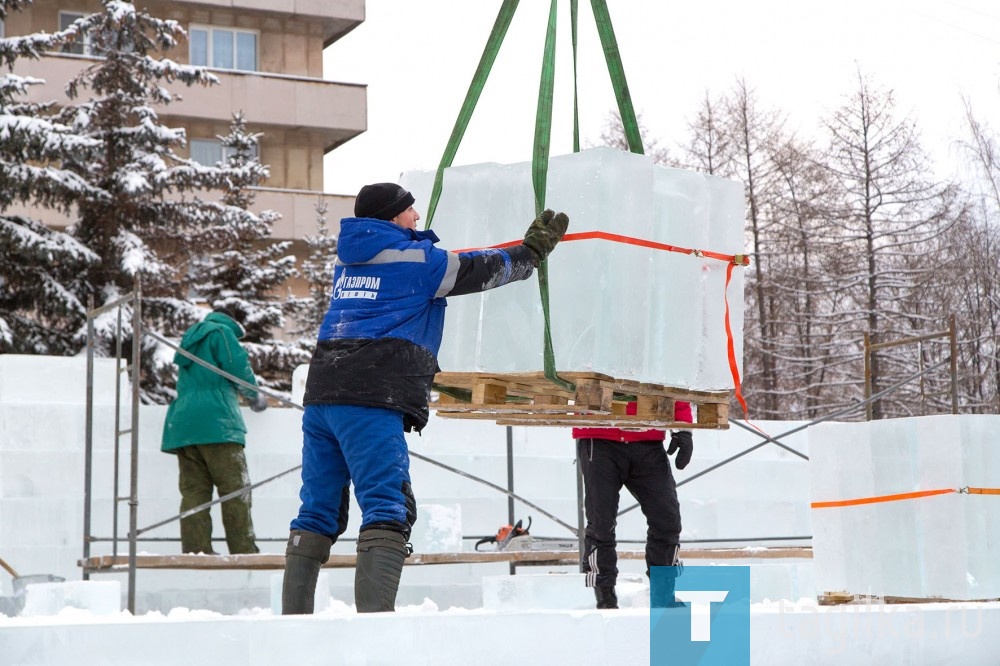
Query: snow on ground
x=782 y=633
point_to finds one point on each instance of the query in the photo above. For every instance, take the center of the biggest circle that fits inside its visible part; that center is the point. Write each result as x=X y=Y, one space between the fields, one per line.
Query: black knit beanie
x=227 y=309
x=383 y=201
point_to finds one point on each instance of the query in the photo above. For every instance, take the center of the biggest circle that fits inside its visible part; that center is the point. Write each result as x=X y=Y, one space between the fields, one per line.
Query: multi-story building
x=268 y=56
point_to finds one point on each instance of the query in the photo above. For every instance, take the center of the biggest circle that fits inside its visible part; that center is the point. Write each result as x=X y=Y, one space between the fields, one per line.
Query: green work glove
x=543 y=234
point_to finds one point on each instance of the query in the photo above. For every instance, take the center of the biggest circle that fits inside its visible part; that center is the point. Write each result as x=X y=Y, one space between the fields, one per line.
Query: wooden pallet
x=110 y=563
x=595 y=400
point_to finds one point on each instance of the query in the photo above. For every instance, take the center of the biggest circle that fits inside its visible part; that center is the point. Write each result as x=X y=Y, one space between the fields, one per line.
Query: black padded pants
x=644 y=469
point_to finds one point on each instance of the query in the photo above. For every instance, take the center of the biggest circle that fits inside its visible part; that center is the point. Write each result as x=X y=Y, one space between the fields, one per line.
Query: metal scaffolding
x=131 y=305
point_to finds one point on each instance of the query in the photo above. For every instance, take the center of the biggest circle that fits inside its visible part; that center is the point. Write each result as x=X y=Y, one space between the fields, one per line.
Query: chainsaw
x=506 y=535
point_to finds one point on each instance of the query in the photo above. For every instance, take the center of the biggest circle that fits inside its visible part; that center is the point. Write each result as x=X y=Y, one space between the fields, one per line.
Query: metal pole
x=133 y=501
x=581 y=528
x=953 y=334
x=88 y=452
x=116 y=476
x=920 y=367
x=868 y=377
x=510 y=487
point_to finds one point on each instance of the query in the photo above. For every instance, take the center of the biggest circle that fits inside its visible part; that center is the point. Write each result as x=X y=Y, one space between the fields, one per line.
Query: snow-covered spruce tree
x=317 y=270
x=246 y=277
x=40 y=267
x=149 y=220
x=140 y=236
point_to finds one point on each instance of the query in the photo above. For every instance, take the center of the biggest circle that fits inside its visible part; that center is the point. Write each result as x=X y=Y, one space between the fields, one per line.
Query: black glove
x=543 y=234
x=259 y=404
x=681 y=439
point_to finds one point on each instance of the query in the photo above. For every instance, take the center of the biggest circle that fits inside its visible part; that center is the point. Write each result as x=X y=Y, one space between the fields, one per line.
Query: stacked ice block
x=616 y=308
x=941 y=546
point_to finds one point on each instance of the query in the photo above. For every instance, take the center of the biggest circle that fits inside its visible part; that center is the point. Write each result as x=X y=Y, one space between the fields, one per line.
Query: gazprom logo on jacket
x=357 y=286
x=702 y=617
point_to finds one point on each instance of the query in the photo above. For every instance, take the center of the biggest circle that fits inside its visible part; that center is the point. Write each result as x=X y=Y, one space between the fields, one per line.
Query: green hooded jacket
x=206 y=410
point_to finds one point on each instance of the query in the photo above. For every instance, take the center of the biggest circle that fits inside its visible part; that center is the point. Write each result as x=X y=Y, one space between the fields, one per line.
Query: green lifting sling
x=543 y=122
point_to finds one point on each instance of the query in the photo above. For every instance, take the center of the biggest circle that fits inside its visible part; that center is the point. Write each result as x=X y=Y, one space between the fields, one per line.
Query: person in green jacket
x=205 y=430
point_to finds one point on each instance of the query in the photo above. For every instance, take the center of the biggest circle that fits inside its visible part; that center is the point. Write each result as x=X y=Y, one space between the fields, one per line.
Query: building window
x=223 y=48
x=82 y=44
x=3 y=32
x=210 y=152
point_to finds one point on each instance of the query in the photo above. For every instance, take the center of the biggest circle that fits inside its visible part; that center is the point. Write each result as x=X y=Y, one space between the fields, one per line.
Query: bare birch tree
x=889 y=222
x=710 y=146
x=978 y=242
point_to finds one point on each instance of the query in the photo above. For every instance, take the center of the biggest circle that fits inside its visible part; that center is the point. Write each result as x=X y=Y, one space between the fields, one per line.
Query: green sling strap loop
x=543 y=121
x=574 y=13
x=539 y=178
x=617 y=72
x=489 y=56
x=543 y=115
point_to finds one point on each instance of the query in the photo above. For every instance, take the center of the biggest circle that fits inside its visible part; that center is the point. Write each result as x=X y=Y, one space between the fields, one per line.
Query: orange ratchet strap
x=905 y=496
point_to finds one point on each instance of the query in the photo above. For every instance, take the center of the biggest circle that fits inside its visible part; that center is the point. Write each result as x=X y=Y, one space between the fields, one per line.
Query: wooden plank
x=542 y=399
x=489 y=393
x=511 y=408
x=547 y=557
x=526 y=383
x=593 y=395
x=588 y=421
x=835 y=598
x=714 y=414
x=524 y=392
x=688 y=395
x=528 y=378
x=120 y=562
x=658 y=406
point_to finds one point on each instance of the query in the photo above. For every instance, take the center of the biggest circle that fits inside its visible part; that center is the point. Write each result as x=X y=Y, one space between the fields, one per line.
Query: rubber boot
x=305 y=554
x=663 y=594
x=380 y=562
x=606 y=597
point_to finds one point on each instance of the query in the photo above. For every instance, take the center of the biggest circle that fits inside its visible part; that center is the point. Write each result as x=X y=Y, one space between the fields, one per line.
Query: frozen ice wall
x=934 y=546
x=620 y=308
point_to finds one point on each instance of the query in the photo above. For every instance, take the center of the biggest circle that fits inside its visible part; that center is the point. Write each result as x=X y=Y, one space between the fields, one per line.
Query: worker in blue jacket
x=369 y=382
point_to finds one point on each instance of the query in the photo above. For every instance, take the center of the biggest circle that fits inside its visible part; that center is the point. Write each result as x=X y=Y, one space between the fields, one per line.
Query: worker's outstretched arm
x=480 y=270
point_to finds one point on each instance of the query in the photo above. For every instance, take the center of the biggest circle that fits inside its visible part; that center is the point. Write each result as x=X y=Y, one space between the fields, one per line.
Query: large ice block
x=537 y=591
x=60 y=379
x=438 y=528
x=935 y=546
x=626 y=306
x=99 y=597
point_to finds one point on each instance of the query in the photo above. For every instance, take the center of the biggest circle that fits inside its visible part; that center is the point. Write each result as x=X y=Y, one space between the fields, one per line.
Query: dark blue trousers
x=364 y=445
